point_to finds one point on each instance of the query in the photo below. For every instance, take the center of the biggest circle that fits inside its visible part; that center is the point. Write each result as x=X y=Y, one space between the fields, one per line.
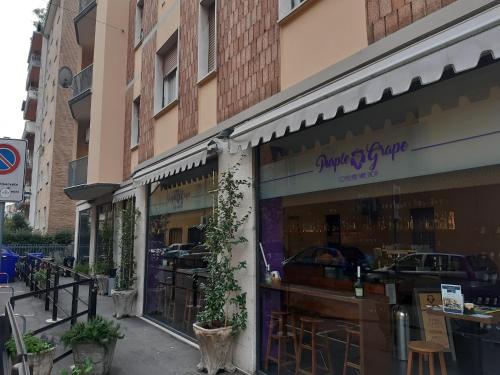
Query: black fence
x=43 y=279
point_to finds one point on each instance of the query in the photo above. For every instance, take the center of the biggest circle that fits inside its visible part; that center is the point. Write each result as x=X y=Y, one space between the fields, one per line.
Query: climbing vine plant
x=225 y=303
x=126 y=272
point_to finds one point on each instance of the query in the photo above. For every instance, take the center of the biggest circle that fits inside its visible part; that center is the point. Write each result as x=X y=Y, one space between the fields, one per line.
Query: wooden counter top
x=493 y=318
x=323 y=293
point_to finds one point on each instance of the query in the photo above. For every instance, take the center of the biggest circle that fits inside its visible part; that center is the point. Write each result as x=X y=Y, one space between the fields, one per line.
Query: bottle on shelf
x=358 y=286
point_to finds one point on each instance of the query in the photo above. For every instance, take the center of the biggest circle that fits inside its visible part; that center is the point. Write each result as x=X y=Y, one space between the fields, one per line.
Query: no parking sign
x=12 y=166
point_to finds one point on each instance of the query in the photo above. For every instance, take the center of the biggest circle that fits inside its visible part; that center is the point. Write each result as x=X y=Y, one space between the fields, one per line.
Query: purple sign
x=359 y=157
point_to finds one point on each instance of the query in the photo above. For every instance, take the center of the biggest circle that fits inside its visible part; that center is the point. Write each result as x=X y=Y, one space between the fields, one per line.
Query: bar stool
x=191 y=307
x=279 y=335
x=313 y=346
x=169 y=306
x=425 y=349
x=351 y=333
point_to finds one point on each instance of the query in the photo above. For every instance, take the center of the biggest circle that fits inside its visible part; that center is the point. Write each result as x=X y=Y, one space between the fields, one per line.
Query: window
x=207 y=38
x=166 y=76
x=139 y=31
x=170 y=76
x=136 y=123
x=286 y=6
x=45 y=218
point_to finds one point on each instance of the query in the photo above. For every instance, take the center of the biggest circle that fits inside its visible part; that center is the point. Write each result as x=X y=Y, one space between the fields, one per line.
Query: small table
x=492 y=318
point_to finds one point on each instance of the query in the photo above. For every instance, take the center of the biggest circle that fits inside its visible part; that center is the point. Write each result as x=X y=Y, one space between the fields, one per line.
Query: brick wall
x=129 y=97
x=387 y=16
x=130 y=91
x=61 y=209
x=188 y=70
x=146 y=141
x=248 y=54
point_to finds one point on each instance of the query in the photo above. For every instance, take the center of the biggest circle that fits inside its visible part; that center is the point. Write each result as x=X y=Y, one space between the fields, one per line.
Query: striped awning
x=124 y=193
x=184 y=160
x=460 y=47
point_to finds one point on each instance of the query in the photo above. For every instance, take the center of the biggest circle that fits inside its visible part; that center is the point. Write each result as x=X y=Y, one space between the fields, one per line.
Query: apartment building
x=368 y=130
x=29 y=108
x=51 y=210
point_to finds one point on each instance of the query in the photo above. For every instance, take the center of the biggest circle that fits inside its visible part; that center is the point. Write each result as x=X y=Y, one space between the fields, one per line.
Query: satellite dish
x=65 y=77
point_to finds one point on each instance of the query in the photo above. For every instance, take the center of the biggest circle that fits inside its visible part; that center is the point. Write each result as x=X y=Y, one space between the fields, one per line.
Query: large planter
x=102 y=284
x=100 y=355
x=123 y=301
x=216 y=349
x=41 y=363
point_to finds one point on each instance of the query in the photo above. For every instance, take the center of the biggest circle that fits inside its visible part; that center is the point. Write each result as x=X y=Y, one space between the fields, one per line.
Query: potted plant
x=85 y=369
x=100 y=274
x=40 y=353
x=124 y=293
x=94 y=340
x=103 y=267
x=224 y=314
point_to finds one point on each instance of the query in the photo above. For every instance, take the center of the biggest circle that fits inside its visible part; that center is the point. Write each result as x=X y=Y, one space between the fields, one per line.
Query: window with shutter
x=211 y=37
x=136 y=123
x=170 y=76
x=207 y=38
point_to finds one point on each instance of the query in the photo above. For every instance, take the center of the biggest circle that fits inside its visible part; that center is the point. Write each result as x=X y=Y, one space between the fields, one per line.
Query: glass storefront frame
x=260 y=269
x=209 y=173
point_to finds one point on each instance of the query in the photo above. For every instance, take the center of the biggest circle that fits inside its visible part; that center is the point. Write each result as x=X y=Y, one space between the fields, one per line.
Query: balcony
x=30 y=105
x=80 y=102
x=78 y=188
x=85 y=23
x=77 y=172
x=33 y=71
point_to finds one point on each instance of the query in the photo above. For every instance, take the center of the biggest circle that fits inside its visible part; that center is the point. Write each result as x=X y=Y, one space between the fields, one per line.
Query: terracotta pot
x=216 y=349
x=42 y=363
x=100 y=355
x=123 y=301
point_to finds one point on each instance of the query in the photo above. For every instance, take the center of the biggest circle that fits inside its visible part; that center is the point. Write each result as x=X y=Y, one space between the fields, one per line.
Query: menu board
x=433 y=326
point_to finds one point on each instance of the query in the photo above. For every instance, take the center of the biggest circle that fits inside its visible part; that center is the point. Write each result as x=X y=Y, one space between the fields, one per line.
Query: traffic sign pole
x=2 y=216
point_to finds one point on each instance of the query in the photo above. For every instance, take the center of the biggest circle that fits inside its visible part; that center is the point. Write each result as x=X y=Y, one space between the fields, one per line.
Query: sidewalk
x=145 y=350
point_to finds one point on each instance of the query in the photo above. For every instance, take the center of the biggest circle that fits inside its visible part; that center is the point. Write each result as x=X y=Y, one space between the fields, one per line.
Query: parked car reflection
x=341 y=259
x=477 y=274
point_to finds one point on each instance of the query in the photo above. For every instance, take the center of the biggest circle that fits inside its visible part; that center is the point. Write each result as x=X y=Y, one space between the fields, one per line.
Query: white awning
x=124 y=193
x=459 y=46
x=190 y=158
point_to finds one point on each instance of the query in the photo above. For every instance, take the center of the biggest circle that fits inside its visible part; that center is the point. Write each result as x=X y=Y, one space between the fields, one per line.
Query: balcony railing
x=33 y=93
x=77 y=172
x=34 y=60
x=82 y=81
x=85 y=3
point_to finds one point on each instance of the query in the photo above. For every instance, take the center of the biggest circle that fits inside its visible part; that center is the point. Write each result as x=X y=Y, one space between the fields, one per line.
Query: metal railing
x=32 y=93
x=77 y=172
x=84 y=4
x=34 y=60
x=49 y=288
x=82 y=81
x=9 y=328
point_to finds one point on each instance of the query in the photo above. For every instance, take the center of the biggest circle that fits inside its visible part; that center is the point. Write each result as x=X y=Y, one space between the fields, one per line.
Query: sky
x=16 y=27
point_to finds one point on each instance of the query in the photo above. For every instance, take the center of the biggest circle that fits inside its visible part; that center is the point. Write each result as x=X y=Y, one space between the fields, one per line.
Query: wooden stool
x=279 y=334
x=425 y=349
x=191 y=307
x=314 y=347
x=169 y=306
x=351 y=333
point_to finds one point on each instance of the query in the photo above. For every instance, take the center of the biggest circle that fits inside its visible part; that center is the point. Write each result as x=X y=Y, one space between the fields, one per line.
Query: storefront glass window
x=175 y=265
x=104 y=240
x=407 y=192
x=83 y=236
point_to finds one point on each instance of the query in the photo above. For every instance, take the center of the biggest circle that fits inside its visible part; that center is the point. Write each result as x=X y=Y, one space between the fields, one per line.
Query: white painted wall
x=245 y=356
x=141 y=200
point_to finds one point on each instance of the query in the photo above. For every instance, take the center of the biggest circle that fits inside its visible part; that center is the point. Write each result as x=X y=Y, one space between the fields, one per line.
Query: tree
x=16 y=223
x=40 y=17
